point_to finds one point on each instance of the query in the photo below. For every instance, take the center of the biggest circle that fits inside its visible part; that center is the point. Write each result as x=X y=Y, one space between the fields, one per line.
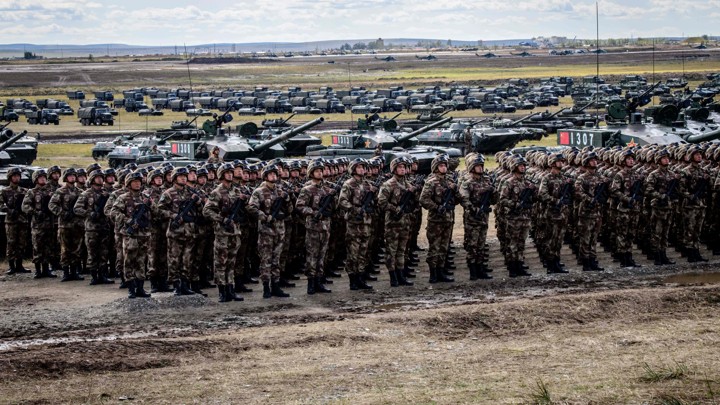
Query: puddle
x=22 y=344
x=693 y=278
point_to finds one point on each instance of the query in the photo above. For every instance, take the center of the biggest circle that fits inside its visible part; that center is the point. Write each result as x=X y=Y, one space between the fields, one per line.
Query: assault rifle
x=17 y=206
x=276 y=210
x=407 y=199
x=185 y=209
x=669 y=193
x=99 y=207
x=139 y=220
x=526 y=200
x=448 y=199
x=600 y=195
x=236 y=215
x=484 y=206
x=45 y=207
x=326 y=203
x=700 y=187
x=70 y=214
x=368 y=200
x=565 y=195
x=635 y=193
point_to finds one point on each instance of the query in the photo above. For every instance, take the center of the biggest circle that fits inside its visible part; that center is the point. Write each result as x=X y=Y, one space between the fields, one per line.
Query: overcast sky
x=166 y=22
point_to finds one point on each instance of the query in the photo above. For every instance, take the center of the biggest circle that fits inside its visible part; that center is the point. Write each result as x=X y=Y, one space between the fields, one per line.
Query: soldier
x=394 y=200
x=35 y=206
x=555 y=191
x=117 y=227
x=81 y=179
x=215 y=155
x=270 y=205
x=70 y=228
x=202 y=259
x=91 y=206
x=695 y=185
x=439 y=199
x=627 y=188
x=242 y=261
x=358 y=200
x=591 y=193
x=179 y=206
x=661 y=188
x=157 y=243
x=515 y=201
x=315 y=203
x=132 y=210
x=223 y=208
x=476 y=195
x=54 y=173
x=16 y=222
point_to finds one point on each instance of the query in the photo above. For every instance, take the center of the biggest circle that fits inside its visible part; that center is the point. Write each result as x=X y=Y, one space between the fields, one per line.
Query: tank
x=237 y=147
x=369 y=143
x=577 y=115
x=295 y=146
x=425 y=118
x=485 y=139
x=23 y=150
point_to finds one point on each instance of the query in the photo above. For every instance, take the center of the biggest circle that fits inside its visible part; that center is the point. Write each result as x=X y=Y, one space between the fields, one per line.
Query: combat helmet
x=13 y=171
x=316 y=164
x=39 y=173
x=180 y=171
x=94 y=174
x=269 y=169
x=439 y=159
x=225 y=167
x=153 y=174
x=70 y=171
x=478 y=160
x=136 y=175
x=355 y=163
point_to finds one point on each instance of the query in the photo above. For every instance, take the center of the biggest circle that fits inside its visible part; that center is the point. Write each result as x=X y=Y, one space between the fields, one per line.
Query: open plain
x=644 y=336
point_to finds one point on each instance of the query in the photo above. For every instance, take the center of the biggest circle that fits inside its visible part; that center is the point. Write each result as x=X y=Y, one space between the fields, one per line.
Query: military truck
x=276 y=105
x=43 y=117
x=8 y=114
x=95 y=116
x=330 y=106
x=76 y=95
x=94 y=103
x=104 y=95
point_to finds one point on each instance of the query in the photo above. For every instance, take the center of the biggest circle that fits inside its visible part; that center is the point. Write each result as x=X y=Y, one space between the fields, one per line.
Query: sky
x=163 y=22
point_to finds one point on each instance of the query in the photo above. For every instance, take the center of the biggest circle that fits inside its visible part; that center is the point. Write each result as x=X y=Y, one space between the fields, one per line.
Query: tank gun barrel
x=288 y=134
x=13 y=138
x=583 y=108
x=521 y=120
x=706 y=137
x=396 y=115
x=288 y=119
x=424 y=129
x=556 y=113
x=642 y=99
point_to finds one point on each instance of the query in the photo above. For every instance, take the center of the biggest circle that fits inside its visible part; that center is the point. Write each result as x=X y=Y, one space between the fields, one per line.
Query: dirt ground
x=647 y=335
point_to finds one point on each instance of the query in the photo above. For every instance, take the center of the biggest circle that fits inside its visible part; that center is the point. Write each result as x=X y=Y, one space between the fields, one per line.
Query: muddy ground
x=587 y=338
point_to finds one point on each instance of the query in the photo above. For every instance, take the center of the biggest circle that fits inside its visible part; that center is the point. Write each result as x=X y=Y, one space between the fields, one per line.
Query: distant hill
x=64 y=50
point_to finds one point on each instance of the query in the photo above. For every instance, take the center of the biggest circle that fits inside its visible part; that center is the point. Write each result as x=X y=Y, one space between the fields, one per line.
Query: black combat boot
x=185 y=288
x=94 y=277
x=657 y=256
x=66 y=274
x=140 y=289
x=131 y=289
x=46 y=271
x=240 y=286
x=481 y=271
x=177 y=287
x=594 y=265
x=371 y=269
x=433 y=275
x=353 y=281
x=19 y=267
x=401 y=278
x=365 y=276
x=664 y=258
x=361 y=284
x=393 y=279
x=12 y=270
x=311 y=285
x=558 y=266
x=512 y=270
x=408 y=272
x=230 y=294
x=320 y=287
x=247 y=279
x=221 y=293
x=630 y=261
x=473 y=271
x=38 y=271
x=443 y=276
x=267 y=293
x=103 y=274
x=154 y=285
x=195 y=287
x=698 y=256
x=75 y=272
x=285 y=284
x=277 y=291
x=522 y=269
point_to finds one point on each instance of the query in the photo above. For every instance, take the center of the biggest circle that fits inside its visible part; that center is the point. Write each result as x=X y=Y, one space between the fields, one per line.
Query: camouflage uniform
x=555 y=192
x=16 y=224
x=695 y=186
x=439 y=190
x=317 y=228
x=658 y=185
x=397 y=224
x=91 y=205
x=70 y=229
x=625 y=189
x=474 y=190
x=157 y=268
x=589 y=214
x=517 y=218
x=227 y=234
x=35 y=206
x=359 y=226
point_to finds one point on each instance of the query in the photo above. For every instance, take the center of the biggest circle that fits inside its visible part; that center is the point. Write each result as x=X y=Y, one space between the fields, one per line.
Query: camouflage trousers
x=660 y=228
x=396 y=241
x=554 y=235
x=135 y=257
x=357 y=237
x=588 y=230
x=516 y=233
x=625 y=230
x=415 y=225
x=16 y=240
x=56 y=247
x=240 y=258
x=438 y=235
x=287 y=241
x=270 y=245
x=157 y=253
x=70 y=245
x=97 y=246
x=112 y=253
x=42 y=241
x=225 y=253
x=316 y=243
x=501 y=231
x=693 y=218
x=337 y=246
x=119 y=258
x=202 y=259
x=297 y=248
x=474 y=240
x=180 y=252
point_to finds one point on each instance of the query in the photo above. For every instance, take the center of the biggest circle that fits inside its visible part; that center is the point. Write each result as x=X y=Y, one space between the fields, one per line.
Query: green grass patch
x=663 y=373
x=541 y=394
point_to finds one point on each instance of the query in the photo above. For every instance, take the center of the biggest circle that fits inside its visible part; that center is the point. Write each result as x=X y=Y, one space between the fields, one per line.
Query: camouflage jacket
x=351 y=201
x=126 y=213
x=550 y=194
x=218 y=209
x=473 y=190
x=309 y=203
x=586 y=186
x=657 y=187
x=12 y=198
x=433 y=193
x=624 y=197
x=695 y=185
x=35 y=205
x=91 y=206
x=173 y=202
x=389 y=200
x=510 y=202
x=62 y=204
x=108 y=207
x=262 y=201
x=158 y=222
